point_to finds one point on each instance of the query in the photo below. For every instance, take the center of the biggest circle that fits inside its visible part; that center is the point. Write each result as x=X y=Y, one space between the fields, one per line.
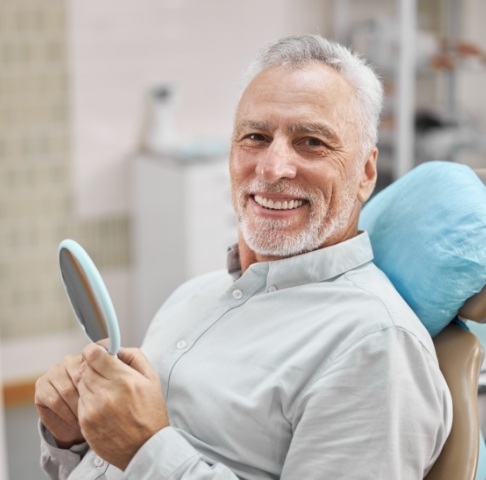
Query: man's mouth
x=278 y=204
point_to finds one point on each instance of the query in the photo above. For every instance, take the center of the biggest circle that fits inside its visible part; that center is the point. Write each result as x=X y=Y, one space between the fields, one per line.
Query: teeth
x=285 y=205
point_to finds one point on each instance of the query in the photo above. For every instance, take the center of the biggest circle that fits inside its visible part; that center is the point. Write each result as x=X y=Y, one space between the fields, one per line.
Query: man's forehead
x=313 y=84
x=314 y=72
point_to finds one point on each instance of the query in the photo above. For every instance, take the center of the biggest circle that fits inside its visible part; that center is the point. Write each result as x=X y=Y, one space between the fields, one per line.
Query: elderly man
x=299 y=362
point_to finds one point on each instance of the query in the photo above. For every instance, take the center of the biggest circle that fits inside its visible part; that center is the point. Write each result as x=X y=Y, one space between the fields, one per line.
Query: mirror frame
x=95 y=288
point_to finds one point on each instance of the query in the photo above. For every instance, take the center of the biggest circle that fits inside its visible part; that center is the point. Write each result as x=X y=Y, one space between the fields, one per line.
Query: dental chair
x=460 y=357
x=428 y=231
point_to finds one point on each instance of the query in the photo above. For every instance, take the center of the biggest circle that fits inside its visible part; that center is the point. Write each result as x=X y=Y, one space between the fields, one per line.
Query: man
x=304 y=362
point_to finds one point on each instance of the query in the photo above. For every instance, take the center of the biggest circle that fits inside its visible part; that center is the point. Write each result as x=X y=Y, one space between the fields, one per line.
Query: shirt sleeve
x=382 y=410
x=58 y=463
x=167 y=455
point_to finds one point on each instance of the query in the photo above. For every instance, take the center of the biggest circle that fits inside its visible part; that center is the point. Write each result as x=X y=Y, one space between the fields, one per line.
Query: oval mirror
x=88 y=295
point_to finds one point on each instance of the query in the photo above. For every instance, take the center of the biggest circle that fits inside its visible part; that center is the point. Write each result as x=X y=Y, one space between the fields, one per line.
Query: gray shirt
x=311 y=367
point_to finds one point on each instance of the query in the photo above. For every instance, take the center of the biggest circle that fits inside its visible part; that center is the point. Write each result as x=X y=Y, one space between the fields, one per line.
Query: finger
x=74 y=369
x=55 y=398
x=68 y=393
x=63 y=380
x=105 y=343
x=99 y=359
x=135 y=358
x=91 y=382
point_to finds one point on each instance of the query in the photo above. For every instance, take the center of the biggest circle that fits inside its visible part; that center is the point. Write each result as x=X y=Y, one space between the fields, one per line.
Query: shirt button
x=98 y=461
x=237 y=294
x=181 y=344
x=272 y=289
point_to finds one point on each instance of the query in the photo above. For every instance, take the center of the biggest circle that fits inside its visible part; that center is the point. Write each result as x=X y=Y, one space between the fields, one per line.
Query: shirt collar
x=317 y=266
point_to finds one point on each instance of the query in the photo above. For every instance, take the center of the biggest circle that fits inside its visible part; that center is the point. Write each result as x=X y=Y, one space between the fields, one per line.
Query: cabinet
x=183 y=223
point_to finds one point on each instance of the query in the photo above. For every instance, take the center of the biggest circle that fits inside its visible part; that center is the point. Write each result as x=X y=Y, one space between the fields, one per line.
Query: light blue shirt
x=311 y=367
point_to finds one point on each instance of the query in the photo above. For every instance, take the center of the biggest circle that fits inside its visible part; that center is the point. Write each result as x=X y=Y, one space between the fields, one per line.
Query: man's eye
x=256 y=137
x=313 y=142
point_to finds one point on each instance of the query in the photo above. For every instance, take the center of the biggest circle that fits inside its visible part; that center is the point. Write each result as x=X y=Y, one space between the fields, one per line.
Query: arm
x=381 y=411
x=120 y=405
x=122 y=415
x=168 y=455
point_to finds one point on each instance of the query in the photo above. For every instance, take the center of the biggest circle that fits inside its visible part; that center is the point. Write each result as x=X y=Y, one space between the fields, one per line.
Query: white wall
x=122 y=48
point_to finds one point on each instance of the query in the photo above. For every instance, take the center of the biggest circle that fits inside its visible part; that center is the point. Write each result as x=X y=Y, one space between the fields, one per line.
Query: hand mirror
x=88 y=295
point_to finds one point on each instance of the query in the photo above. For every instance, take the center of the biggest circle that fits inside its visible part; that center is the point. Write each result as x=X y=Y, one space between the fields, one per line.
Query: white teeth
x=285 y=205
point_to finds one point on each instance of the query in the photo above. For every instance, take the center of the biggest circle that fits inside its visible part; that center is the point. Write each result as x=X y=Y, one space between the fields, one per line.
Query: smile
x=277 y=204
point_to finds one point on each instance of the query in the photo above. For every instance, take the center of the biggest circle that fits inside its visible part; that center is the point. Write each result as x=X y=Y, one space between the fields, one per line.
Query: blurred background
x=115 y=118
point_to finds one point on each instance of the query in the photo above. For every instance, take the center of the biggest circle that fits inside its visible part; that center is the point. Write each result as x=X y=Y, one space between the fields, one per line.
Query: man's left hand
x=121 y=404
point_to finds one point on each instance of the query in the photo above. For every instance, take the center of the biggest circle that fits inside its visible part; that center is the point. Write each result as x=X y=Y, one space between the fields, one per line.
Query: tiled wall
x=35 y=178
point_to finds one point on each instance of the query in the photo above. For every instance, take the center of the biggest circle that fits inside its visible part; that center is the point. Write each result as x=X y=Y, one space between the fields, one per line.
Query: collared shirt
x=308 y=367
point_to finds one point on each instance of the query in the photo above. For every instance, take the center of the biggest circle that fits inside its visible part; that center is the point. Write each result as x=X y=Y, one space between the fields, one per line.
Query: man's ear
x=368 y=176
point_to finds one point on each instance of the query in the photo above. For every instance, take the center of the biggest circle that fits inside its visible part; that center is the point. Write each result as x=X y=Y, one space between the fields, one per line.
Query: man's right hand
x=56 y=399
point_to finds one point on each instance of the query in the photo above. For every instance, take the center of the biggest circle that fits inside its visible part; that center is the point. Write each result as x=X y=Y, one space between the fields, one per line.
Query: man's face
x=298 y=176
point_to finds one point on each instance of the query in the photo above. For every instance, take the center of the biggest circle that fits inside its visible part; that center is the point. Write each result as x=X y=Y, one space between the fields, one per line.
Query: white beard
x=266 y=236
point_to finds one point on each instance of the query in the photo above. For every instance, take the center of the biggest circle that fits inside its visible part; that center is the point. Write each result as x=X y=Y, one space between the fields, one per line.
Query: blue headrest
x=428 y=232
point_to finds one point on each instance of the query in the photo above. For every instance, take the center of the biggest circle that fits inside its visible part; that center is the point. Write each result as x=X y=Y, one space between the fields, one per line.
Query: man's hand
x=121 y=404
x=56 y=399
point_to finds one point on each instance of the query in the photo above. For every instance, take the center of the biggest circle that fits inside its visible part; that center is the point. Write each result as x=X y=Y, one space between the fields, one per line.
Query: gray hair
x=296 y=51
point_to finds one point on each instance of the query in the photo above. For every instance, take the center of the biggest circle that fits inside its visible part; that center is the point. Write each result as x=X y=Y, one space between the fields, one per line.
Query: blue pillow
x=428 y=232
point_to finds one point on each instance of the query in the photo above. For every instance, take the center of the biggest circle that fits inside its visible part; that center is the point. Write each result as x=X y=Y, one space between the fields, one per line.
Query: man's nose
x=276 y=162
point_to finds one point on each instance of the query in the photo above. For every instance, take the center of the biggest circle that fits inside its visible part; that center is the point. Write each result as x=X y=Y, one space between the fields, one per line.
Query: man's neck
x=249 y=257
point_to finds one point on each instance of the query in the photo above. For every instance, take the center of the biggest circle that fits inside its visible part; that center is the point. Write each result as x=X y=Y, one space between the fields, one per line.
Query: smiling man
x=301 y=361
x=299 y=171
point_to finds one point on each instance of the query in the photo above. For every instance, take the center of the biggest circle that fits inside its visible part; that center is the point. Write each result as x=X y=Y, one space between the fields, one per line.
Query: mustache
x=283 y=186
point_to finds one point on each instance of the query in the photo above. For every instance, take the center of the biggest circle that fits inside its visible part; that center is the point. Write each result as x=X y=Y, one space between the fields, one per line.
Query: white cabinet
x=182 y=225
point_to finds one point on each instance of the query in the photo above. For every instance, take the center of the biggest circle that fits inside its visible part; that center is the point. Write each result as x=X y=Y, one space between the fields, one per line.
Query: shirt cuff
x=62 y=455
x=166 y=454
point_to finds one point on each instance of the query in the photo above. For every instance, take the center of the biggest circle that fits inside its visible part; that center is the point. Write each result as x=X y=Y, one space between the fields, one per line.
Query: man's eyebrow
x=316 y=128
x=252 y=125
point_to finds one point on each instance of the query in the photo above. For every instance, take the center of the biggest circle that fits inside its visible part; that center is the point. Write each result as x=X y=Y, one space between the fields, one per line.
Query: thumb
x=134 y=358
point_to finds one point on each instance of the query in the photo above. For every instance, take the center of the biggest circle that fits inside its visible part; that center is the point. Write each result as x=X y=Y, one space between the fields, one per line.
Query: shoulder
x=385 y=307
